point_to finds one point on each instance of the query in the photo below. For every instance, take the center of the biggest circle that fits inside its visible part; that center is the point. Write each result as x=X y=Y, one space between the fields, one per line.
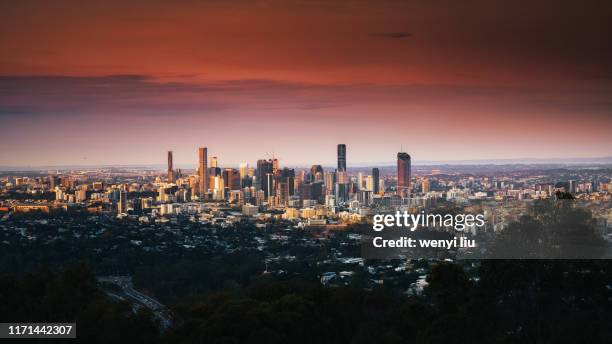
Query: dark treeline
x=513 y=302
x=223 y=297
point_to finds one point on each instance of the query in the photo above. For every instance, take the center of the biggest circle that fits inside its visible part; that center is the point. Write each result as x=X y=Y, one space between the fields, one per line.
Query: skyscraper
x=170 y=168
x=316 y=173
x=263 y=168
x=275 y=166
x=287 y=175
x=269 y=185
x=244 y=168
x=375 y=181
x=122 y=202
x=330 y=180
x=231 y=178
x=572 y=186
x=341 y=157
x=214 y=162
x=203 y=170
x=425 y=186
x=403 y=174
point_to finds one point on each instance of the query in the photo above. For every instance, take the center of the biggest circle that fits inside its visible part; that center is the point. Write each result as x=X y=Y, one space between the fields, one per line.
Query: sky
x=122 y=82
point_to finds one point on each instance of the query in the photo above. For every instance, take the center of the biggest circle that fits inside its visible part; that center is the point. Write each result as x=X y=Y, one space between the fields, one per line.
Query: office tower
x=341 y=189
x=53 y=182
x=403 y=174
x=269 y=185
x=283 y=192
x=243 y=169
x=213 y=162
x=275 y=166
x=359 y=181
x=364 y=197
x=375 y=181
x=369 y=183
x=425 y=185
x=231 y=178
x=80 y=195
x=122 y=204
x=316 y=173
x=170 y=168
x=572 y=186
x=212 y=173
x=341 y=157
x=203 y=170
x=218 y=188
x=311 y=191
x=263 y=168
x=341 y=192
x=302 y=176
x=162 y=196
x=287 y=175
x=330 y=180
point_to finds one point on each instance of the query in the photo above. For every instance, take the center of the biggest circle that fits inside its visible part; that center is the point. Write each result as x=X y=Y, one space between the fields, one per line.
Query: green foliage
x=551 y=229
x=71 y=295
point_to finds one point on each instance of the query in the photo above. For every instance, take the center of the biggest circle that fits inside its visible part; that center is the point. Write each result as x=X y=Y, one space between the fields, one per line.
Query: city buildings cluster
x=314 y=196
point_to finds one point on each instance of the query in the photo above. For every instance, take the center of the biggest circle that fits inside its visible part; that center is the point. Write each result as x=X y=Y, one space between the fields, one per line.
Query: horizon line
x=601 y=160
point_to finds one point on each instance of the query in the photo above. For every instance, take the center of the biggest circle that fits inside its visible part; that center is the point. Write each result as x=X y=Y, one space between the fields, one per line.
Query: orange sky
x=444 y=79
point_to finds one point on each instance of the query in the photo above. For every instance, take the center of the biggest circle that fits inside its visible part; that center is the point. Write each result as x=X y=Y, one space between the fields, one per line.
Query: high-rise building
x=330 y=181
x=311 y=191
x=263 y=168
x=218 y=188
x=425 y=185
x=403 y=174
x=275 y=166
x=375 y=181
x=214 y=162
x=369 y=183
x=231 y=179
x=203 y=171
x=244 y=169
x=269 y=185
x=341 y=157
x=122 y=203
x=170 y=168
x=287 y=175
x=572 y=186
x=316 y=173
x=341 y=192
x=80 y=195
x=283 y=192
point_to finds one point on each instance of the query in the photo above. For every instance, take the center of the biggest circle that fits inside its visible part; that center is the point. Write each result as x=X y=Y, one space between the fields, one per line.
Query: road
x=128 y=293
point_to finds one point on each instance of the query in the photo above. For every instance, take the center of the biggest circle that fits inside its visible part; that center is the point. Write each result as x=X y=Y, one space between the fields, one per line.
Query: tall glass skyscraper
x=403 y=174
x=170 y=168
x=341 y=157
x=203 y=171
x=375 y=181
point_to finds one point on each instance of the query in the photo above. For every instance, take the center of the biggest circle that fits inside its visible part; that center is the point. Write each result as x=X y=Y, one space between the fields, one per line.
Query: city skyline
x=252 y=161
x=306 y=171
x=446 y=82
